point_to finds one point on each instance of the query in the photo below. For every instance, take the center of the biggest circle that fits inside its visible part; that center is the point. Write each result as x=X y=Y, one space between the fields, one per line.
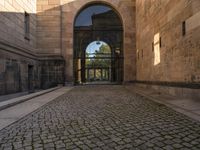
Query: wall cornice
x=28 y=53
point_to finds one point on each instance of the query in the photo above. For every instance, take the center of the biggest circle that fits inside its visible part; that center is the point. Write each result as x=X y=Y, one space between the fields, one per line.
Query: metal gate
x=98 y=66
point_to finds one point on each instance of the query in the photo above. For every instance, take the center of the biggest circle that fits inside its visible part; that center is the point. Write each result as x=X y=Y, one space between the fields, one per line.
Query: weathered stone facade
x=167 y=39
x=12 y=22
x=21 y=67
x=14 y=48
x=56 y=26
x=14 y=70
x=45 y=58
x=177 y=62
x=179 y=54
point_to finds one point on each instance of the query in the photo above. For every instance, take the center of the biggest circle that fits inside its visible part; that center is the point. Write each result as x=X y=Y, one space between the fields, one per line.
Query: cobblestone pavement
x=102 y=117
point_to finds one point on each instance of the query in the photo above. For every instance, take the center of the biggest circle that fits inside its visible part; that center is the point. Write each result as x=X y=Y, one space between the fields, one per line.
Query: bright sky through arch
x=92 y=47
x=85 y=17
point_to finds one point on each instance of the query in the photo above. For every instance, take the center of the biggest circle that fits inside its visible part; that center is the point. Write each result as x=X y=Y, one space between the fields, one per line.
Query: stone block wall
x=17 y=50
x=166 y=52
x=52 y=73
x=24 y=71
x=12 y=26
x=49 y=27
x=55 y=22
x=14 y=72
x=22 y=68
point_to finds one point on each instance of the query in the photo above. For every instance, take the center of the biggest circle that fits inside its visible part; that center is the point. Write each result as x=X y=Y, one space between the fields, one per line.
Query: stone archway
x=98 y=22
x=126 y=10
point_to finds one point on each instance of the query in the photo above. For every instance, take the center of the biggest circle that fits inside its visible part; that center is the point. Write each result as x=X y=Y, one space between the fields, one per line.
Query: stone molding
x=191 y=85
x=8 y=47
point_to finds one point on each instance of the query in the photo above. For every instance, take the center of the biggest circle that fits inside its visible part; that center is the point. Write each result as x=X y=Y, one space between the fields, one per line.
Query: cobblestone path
x=102 y=117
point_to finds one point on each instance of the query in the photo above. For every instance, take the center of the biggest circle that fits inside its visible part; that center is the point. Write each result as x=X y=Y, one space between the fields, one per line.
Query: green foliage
x=97 y=61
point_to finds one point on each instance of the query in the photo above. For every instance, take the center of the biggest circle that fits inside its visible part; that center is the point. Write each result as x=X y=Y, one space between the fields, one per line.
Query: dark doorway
x=98 y=46
x=30 y=79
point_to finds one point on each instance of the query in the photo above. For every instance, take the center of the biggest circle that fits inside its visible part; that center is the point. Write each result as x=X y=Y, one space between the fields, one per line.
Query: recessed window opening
x=27 y=25
x=183 y=28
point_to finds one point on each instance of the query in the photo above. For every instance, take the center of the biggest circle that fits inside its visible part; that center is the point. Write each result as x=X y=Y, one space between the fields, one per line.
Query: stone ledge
x=8 y=47
x=187 y=107
x=17 y=50
x=182 y=92
x=171 y=84
x=18 y=100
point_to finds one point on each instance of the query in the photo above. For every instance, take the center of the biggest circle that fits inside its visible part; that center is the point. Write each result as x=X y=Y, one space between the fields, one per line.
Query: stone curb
x=18 y=100
x=188 y=113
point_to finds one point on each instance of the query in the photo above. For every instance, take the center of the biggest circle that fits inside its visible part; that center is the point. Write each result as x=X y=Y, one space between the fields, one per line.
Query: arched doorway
x=98 y=62
x=98 y=46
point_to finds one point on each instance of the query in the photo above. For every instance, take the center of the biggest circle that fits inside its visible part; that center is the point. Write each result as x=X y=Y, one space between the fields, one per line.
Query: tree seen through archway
x=98 y=61
x=98 y=45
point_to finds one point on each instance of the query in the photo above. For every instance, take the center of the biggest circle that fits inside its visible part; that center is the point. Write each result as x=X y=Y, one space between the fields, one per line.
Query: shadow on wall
x=60 y=40
x=36 y=60
x=21 y=67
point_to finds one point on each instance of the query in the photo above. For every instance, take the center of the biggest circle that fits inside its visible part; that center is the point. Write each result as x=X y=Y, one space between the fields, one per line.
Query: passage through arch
x=98 y=46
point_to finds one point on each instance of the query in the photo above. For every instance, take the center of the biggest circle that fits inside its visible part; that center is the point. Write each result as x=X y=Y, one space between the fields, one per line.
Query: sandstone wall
x=55 y=20
x=12 y=30
x=14 y=71
x=21 y=68
x=179 y=54
x=17 y=52
x=49 y=27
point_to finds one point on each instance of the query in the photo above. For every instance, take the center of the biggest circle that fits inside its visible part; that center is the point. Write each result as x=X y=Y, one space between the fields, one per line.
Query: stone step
x=18 y=100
